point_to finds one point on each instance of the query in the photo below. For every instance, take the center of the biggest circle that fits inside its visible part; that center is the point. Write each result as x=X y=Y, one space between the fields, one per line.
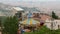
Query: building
x=19 y=12
x=16 y=11
x=11 y=12
x=44 y=16
x=41 y=16
x=53 y=24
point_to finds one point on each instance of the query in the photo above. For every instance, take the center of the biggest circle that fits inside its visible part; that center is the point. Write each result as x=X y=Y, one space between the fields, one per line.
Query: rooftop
x=18 y=8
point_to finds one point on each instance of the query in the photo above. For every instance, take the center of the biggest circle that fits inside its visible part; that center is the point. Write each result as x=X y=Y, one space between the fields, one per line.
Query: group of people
x=21 y=30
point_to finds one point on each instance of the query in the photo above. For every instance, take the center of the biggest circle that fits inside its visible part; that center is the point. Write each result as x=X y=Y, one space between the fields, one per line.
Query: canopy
x=30 y=21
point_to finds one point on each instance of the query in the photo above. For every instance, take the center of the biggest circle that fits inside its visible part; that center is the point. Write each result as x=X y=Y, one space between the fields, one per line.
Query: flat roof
x=18 y=8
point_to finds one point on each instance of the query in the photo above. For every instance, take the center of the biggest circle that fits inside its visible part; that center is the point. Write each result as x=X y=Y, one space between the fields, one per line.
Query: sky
x=31 y=2
x=9 y=1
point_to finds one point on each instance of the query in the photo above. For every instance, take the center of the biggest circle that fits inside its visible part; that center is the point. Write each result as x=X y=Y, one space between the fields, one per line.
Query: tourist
x=22 y=30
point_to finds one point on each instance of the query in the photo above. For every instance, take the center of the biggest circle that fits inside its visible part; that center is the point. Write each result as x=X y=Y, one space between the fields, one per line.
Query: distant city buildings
x=22 y=15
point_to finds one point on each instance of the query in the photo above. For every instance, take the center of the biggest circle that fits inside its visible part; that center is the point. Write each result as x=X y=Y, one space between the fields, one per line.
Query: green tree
x=54 y=15
x=44 y=30
x=0 y=25
x=0 y=22
x=10 y=25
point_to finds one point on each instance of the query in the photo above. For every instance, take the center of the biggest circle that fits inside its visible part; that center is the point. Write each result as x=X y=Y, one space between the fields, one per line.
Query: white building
x=53 y=24
x=17 y=10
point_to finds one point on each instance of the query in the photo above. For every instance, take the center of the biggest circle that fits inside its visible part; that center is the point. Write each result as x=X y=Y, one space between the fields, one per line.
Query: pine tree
x=10 y=25
x=54 y=15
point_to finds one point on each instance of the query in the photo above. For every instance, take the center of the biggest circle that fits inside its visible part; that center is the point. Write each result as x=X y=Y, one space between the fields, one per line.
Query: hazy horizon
x=45 y=5
x=18 y=2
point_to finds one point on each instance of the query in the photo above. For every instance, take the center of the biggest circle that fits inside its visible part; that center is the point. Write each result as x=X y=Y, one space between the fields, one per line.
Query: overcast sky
x=30 y=2
x=35 y=3
x=5 y=1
